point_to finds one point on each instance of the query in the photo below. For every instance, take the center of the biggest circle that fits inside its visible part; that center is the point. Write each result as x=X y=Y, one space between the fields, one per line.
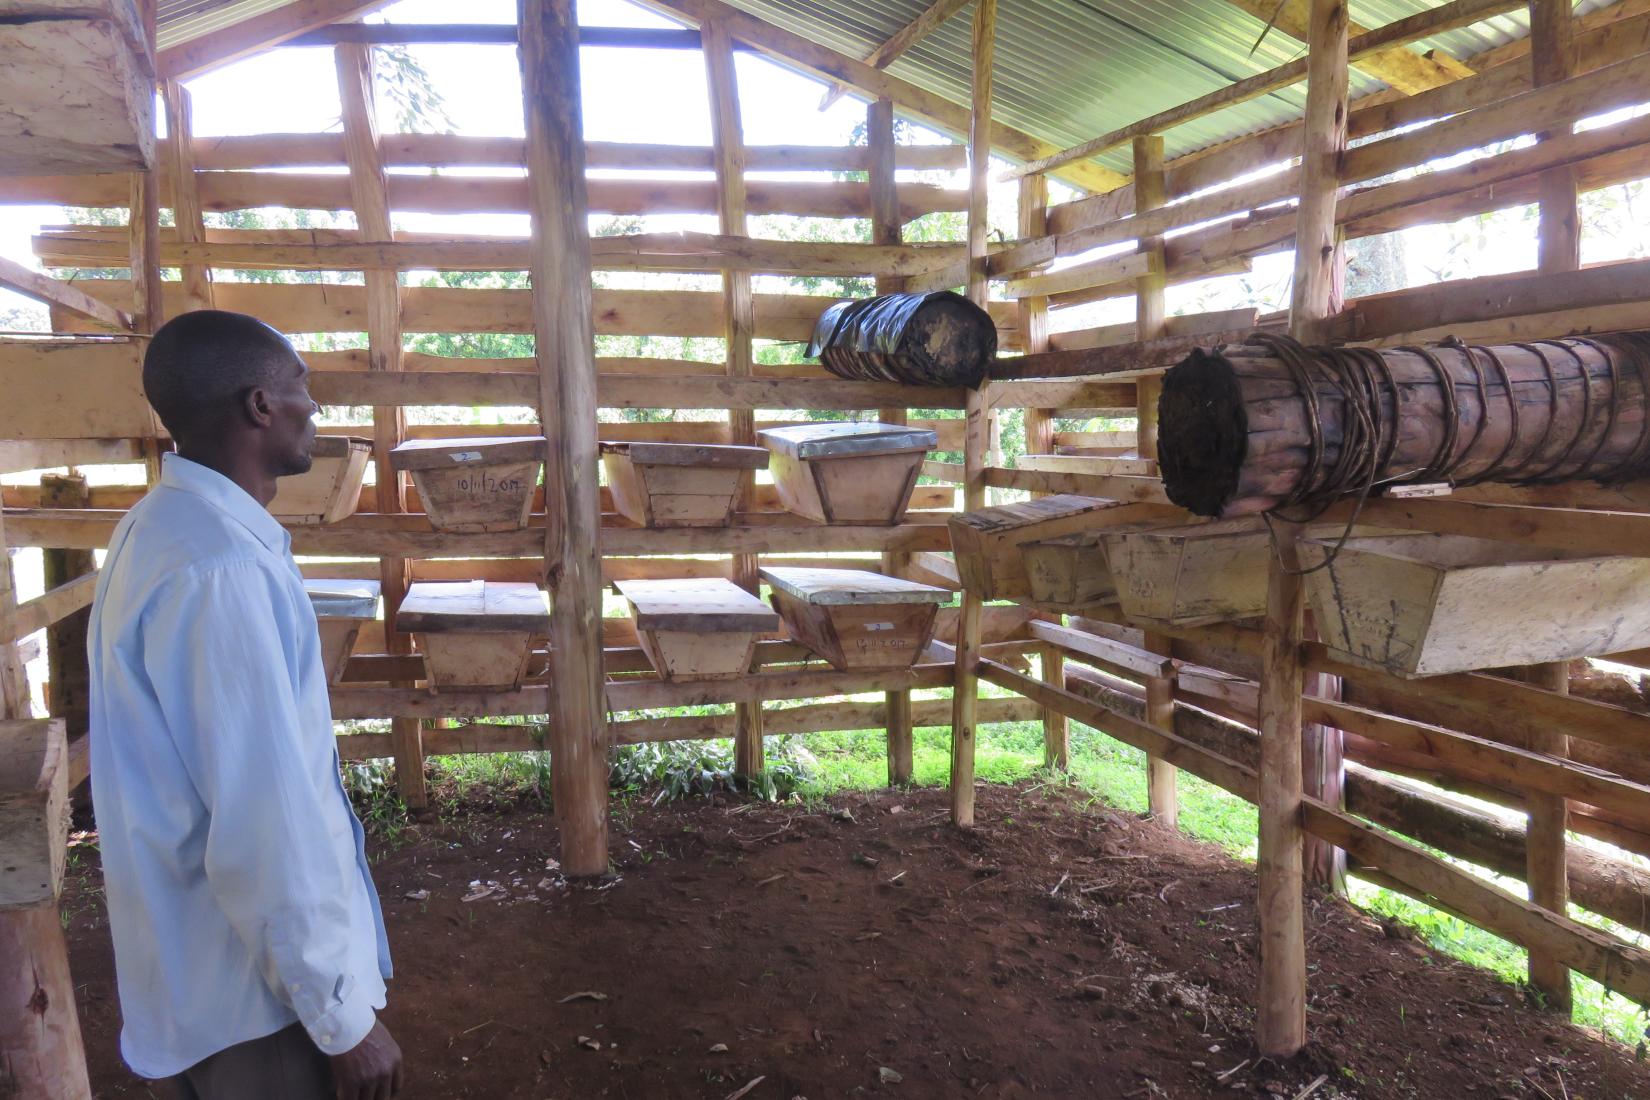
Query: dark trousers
x=284 y=1066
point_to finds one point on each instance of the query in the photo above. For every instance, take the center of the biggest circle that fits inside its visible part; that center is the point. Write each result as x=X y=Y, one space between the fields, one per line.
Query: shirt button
x=326 y=1038
x=292 y=987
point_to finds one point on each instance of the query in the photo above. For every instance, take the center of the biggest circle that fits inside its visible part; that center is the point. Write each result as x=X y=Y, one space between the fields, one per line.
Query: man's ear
x=258 y=407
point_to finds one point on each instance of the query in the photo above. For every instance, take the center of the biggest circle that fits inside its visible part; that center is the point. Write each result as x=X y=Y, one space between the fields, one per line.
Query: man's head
x=225 y=383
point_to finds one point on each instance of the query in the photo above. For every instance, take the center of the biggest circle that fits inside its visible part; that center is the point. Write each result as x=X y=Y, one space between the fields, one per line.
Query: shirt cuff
x=342 y=1027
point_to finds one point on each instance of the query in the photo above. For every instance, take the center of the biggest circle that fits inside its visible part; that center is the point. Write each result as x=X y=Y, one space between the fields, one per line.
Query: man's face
x=292 y=434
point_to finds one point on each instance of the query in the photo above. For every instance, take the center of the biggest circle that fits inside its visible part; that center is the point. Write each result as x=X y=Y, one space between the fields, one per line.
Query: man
x=249 y=948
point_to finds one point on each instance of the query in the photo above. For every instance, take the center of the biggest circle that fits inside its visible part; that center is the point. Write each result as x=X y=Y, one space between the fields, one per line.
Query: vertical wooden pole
x=369 y=194
x=1150 y=323
x=14 y=682
x=1546 y=867
x=70 y=676
x=886 y=228
x=1039 y=432
x=1281 y=1013
x=739 y=324
x=143 y=245
x=186 y=202
x=977 y=428
x=565 y=345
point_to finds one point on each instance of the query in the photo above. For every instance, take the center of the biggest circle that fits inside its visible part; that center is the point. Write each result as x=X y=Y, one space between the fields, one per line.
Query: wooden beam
x=261 y=32
x=497 y=34
x=1368 y=48
x=926 y=22
x=565 y=346
x=63 y=295
x=978 y=415
x=795 y=50
x=190 y=228
x=1407 y=71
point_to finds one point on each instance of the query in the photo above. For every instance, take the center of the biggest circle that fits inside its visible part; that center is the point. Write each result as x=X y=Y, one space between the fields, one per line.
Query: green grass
x=814 y=766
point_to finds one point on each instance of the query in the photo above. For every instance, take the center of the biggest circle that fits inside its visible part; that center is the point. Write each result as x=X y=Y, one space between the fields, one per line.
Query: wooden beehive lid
x=431 y=454
x=1243 y=527
x=1025 y=513
x=840 y=587
x=721 y=455
x=473 y=607
x=31 y=752
x=698 y=605
x=1077 y=540
x=844 y=439
x=338 y=446
x=343 y=599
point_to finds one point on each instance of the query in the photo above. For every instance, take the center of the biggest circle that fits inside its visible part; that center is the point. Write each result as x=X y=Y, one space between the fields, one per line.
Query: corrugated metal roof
x=181 y=20
x=1067 y=70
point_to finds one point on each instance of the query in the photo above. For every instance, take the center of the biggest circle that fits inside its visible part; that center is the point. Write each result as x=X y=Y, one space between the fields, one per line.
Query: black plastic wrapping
x=935 y=339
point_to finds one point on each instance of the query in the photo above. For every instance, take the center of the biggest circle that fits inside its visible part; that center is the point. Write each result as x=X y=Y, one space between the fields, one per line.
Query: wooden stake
x=977 y=433
x=1559 y=249
x=369 y=195
x=1316 y=293
x=728 y=146
x=186 y=200
x=70 y=676
x=886 y=229
x=565 y=347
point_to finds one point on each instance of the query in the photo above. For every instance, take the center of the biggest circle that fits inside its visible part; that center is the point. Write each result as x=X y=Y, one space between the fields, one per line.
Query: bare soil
x=868 y=949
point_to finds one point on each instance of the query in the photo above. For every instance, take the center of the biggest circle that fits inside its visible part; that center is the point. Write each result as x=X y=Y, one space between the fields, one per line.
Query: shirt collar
x=191 y=477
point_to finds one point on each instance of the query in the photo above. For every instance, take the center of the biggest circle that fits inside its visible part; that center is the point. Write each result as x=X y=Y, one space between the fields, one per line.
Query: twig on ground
x=1313 y=1087
x=1063 y=880
x=737 y=1093
x=1233 y=1070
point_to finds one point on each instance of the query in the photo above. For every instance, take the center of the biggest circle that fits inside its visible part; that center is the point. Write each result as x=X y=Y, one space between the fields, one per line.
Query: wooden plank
x=1108 y=272
x=79 y=92
x=68 y=389
x=793 y=49
x=565 y=347
x=249 y=36
x=1052 y=474
x=850 y=587
x=53 y=606
x=473 y=607
x=699 y=605
x=188 y=225
x=56 y=292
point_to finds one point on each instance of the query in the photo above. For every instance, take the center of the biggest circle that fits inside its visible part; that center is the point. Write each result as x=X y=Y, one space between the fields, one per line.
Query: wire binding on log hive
x=1270 y=424
x=935 y=339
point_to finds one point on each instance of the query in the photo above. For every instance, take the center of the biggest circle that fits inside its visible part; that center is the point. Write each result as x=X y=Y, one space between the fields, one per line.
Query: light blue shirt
x=235 y=871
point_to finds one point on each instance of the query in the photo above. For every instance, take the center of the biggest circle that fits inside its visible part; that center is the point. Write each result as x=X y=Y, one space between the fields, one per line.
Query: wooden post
x=369 y=194
x=1559 y=249
x=977 y=430
x=1281 y=1011
x=186 y=202
x=739 y=322
x=1151 y=323
x=41 y=1055
x=886 y=228
x=566 y=350
x=143 y=246
x=70 y=675
x=1039 y=432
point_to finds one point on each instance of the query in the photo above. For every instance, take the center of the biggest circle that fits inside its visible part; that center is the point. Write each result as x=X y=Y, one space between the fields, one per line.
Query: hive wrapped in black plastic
x=934 y=339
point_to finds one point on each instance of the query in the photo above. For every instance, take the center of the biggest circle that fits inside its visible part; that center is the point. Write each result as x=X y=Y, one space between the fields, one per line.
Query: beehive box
x=1192 y=574
x=476 y=484
x=856 y=619
x=678 y=484
x=847 y=473
x=1424 y=605
x=987 y=543
x=1069 y=570
x=475 y=635
x=341 y=608
x=697 y=629
x=34 y=811
x=332 y=487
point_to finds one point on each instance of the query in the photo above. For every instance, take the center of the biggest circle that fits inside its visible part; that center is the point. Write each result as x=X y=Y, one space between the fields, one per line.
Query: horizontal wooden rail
x=1141 y=490
x=411 y=536
x=1618 y=966
x=337 y=250
x=19 y=455
x=240 y=152
x=432 y=194
x=53 y=606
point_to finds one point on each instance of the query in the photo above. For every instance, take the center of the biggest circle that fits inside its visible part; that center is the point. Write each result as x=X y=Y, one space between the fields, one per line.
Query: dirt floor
x=760 y=951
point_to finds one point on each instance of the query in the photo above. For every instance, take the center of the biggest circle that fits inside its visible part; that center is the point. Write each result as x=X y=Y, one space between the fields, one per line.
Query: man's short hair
x=198 y=364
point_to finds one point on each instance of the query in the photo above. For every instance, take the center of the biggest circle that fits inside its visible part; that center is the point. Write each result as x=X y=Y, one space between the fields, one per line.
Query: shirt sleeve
x=216 y=646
